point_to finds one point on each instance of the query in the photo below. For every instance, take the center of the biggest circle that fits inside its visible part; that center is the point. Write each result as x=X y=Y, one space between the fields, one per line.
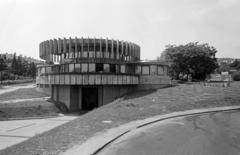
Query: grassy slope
x=25 y=108
x=138 y=105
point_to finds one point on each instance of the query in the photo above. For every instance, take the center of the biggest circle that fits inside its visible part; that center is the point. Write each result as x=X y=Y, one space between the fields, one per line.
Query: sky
x=152 y=24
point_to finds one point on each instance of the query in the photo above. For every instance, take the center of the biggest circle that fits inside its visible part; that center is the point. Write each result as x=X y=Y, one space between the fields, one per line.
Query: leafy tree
x=14 y=64
x=235 y=65
x=32 y=70
x=3 y=66
x=197 y=60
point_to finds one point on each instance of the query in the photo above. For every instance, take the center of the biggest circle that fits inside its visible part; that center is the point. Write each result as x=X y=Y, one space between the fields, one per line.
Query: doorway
x=89 y=98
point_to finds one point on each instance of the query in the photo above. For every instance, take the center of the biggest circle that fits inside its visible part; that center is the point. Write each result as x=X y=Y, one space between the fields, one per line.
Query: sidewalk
x=13 y=132
x=7 y=89
x=100 y=140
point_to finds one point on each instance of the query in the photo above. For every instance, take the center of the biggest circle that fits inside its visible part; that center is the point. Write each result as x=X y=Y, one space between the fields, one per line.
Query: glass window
x=117 y=68
x=91 y=54
x=71 y=67
x=153 y=69
x=112 y=68
x=85 y=54
x=77 y=67
x=123 y=69
x=62 y=69
x=84 y=67
x=99 y=67
x=138 y=69
x=145 y=70
x=106 y=54
x=106 y=68
x=42 y=70
x=48 y=70
x=66 y=68
x=91 y=67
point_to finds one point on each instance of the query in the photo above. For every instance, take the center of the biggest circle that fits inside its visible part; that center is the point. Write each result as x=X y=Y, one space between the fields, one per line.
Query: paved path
x=13 y=132
x=208 y=134
x=7 y=89
x=100 y=139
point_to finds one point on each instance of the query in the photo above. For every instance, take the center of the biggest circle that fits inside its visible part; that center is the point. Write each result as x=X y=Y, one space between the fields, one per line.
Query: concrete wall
x=64 y=95
x=44 y=89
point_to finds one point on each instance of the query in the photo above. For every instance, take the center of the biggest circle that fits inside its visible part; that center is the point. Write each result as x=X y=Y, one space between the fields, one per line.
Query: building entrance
x=89 y=98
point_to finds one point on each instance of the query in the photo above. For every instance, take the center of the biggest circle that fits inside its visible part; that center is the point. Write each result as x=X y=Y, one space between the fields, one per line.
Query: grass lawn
x=135 y=106
x=22 y=93
x=10 y=108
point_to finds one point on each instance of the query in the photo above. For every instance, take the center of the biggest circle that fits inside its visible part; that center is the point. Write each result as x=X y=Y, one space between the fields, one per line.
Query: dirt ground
x=135 y=106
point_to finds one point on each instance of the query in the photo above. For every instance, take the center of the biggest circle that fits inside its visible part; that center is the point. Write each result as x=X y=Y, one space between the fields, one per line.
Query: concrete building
x=85 y=73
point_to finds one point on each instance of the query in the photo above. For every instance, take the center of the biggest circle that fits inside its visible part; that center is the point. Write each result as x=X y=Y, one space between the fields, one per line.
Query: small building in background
x=85 y=73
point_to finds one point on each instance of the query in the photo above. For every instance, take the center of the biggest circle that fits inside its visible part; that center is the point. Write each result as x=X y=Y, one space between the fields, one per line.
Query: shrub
x=236 y=76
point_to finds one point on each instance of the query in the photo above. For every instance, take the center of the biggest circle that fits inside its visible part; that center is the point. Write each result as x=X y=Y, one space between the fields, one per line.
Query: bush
x=236 y=76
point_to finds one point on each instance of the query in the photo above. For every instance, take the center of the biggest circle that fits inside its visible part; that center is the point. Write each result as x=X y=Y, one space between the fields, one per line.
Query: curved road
x=207 y=134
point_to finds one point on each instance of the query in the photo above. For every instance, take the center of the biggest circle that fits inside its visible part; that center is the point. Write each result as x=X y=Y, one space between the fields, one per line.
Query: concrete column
x=70 y=48
x=48 y=50
x=55 y=46
x=59 y=48
x=40 y=50
x=117 y=51
x=82 y=47
x=112 y=50
x=43 y=49
x=88 y=42
x=127 y=50
x=100 y=47
x=106 y=50
x=122 y=50
x=75 y=45
x=64 y=47
x=94 y=47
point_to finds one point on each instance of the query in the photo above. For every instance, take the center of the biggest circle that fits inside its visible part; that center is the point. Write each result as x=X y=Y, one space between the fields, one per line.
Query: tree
x=14 y=64
x=197 y=60
x=3 y=66
x=32 y=70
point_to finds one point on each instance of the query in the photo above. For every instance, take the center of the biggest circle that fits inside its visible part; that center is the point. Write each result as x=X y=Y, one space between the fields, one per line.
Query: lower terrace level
x=84 y=98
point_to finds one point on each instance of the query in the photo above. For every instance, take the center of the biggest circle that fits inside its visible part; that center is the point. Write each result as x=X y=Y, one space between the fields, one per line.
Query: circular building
x=85 y=73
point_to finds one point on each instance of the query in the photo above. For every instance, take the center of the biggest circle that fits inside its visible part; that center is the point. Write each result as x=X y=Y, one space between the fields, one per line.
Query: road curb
x=100 y=140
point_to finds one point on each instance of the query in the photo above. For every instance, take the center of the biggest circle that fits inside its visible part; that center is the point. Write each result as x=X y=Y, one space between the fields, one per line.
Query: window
x=117 y=68
x=66 y=68
x=62 y=68
x=106 y=68
x=91 y=67
x=99 y=67
x=71 y=67
x=42 y=70
x=106 y=54
x=123 y=69
x=77 y=67
x=55 y=69
x=84 y=67
x=153 y=70
x=91 y=54
x=112 y=68
x=85 y=54
x=145 y=70
x=99 y=54
x=48 y=69
x=138 y=70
